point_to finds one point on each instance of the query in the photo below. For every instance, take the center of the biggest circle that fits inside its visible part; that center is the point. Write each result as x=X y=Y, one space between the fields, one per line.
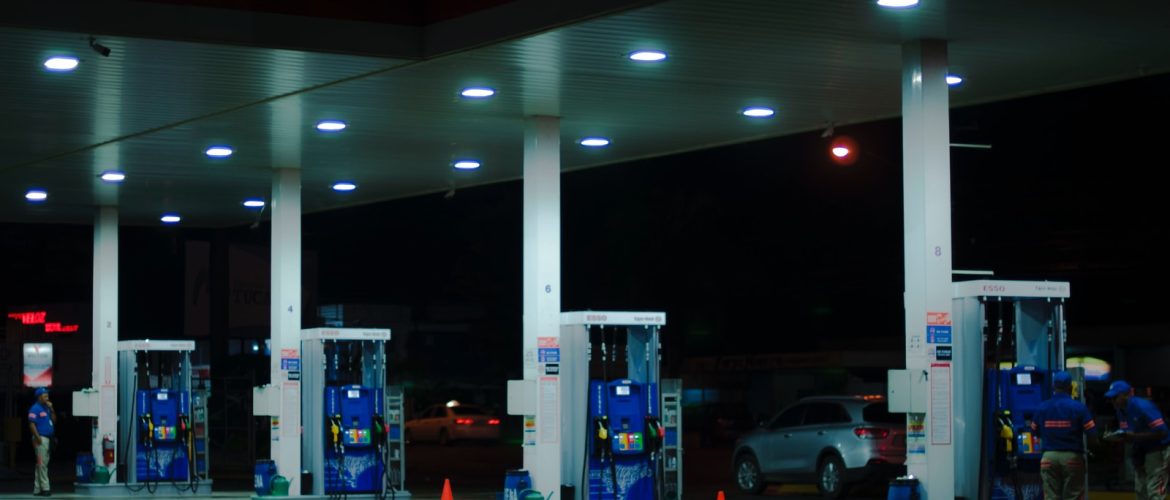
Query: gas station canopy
x=180 y=78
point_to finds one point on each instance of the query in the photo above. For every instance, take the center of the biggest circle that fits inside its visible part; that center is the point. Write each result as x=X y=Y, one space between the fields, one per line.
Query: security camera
x=99 y=48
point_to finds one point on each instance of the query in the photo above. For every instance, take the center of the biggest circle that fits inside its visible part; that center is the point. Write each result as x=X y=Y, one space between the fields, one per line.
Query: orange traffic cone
x=719 y=496
x=447 y=490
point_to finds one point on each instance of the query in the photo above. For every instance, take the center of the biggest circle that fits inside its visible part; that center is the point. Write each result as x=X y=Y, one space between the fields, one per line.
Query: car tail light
x=494 y=421
x=463 y=421
x=871 y=432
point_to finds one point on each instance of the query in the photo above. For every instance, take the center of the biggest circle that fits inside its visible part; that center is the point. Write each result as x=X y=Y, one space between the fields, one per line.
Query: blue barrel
x=516 y=481
x=265 y=471
x=85 y=465
x=903 y=488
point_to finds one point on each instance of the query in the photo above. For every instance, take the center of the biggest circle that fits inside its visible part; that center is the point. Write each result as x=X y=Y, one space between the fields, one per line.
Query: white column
x=927 y=218
x=542 y=292
x=105 y=327
x=286 y=321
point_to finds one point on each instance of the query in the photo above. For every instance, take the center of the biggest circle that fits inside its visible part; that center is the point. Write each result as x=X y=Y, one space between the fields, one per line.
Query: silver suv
x=836 y=441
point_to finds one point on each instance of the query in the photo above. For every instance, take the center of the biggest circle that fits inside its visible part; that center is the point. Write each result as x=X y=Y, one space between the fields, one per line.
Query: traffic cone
x=719 y=496
x=447 y=490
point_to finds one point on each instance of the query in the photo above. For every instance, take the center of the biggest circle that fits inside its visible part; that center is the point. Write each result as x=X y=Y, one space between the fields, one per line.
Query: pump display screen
x=162 y=396
x=622 y=390
x=353 y=393
x=1023 y=379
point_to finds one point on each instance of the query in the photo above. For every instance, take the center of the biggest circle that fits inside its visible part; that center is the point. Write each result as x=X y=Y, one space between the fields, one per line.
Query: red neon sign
x=38 y=318
x=29 y=318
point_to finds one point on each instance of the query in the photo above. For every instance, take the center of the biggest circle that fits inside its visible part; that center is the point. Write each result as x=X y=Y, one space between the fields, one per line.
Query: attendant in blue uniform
x=1142 y=426
x=41 y=418
x=1062 y=424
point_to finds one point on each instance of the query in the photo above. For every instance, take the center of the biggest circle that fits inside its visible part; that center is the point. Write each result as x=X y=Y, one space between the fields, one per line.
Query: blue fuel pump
x=626 y=434
x=162 y=430
x=355 y=435
x=1014 y=397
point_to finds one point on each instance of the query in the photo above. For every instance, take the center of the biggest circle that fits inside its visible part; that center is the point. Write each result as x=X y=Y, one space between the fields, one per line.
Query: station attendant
x=41 y=419
x=1062 y=424
x=1142 y=426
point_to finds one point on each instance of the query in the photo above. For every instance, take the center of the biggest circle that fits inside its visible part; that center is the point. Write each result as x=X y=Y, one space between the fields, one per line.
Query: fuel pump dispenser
x=1001 y=340
x=157 y=433
x=352 y=444
x=614 y=440
x=1008 y=338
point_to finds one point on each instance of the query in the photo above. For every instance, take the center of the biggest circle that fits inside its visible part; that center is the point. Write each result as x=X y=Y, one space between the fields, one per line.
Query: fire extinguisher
x=108 y=449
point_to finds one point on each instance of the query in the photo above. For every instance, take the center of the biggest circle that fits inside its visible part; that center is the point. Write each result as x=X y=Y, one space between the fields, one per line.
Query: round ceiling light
x=466 y=164
x=953 y=80
x=594 y=142
x=61 y=63
x=170 y=218
x=113 y=176
x=331 y=125
x=758 y=112
x=647 y=56
x=253 y=203
x=344 y=186
x=219 y=151
x=897 y=4
x=36 y=195
x=478 y=92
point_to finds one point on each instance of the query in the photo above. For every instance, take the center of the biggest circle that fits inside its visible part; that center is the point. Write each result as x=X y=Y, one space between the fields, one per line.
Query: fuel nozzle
x=335 y=431
x=600 y=436
x=379 y=430
x=1006 y=432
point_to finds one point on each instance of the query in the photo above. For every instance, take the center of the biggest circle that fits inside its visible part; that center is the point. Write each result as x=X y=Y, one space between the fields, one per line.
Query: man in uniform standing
x=41 y=418
x=1142 y=426
x=1062 y=424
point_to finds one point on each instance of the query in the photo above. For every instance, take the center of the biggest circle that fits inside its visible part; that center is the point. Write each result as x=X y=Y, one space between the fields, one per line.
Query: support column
x=927 y=224
x=105 y=328
x=542 y=295
x=286 y=322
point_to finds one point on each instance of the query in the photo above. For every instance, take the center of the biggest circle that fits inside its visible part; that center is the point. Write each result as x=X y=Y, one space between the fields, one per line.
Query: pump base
x=123 y=490
x=397 y=495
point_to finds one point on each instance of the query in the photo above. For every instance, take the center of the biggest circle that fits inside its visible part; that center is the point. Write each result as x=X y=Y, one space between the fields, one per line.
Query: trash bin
x=516 y=481
x=262 y=480
x=903 y=488
x=85 y=465
x=279 y=486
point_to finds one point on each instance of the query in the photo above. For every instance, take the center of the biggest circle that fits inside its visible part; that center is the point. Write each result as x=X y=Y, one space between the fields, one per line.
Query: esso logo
x=994 y=288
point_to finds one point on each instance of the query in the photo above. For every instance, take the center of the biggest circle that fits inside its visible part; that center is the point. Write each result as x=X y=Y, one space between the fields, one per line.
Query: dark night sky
x=759 y=247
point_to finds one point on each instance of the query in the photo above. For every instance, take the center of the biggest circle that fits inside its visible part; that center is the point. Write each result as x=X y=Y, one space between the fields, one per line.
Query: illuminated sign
x=38 y=365
x=1095 y=369
x=38 y=318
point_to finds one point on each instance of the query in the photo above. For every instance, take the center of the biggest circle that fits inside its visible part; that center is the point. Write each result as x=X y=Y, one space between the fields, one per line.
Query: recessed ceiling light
x=594 y=142
x=344 y=186
x=253 y=203
x=113 y=176
x=897 y=4
x=36 y=195
x=170 y=218
x=466 y=164
x=953 y=80
x=840 y=151
x=647 y=55
x=61 y=63
x=478 y=92
x=331 y=125
x=219 y=151
x=758 y=112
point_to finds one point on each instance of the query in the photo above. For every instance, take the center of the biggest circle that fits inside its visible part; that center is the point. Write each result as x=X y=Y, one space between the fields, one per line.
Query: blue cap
x=1061 y=379
x=1118 y=387
x=42 y=390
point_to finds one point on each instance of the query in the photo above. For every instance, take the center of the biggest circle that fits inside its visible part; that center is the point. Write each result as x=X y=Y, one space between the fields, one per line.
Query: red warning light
x=843 y=150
